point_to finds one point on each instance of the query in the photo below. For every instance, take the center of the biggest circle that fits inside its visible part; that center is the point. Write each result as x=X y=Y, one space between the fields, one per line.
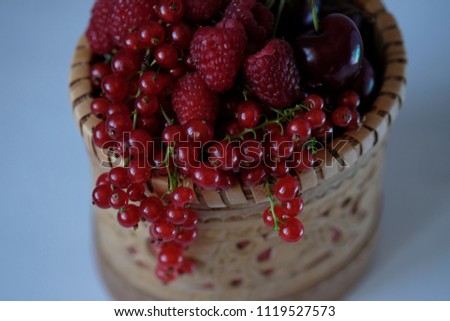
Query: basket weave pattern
x=238 y=256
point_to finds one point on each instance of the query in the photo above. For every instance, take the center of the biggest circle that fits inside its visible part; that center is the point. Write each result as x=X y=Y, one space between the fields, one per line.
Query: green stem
x=272 y=206
x=166 y=117
x=282 y=116
x=313 y=5
x=279 y=13
x=135 y=119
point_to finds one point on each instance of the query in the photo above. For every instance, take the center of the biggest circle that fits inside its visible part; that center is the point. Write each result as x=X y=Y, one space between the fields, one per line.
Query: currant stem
x=282 y=116
x=272 y=206
x=135 y=119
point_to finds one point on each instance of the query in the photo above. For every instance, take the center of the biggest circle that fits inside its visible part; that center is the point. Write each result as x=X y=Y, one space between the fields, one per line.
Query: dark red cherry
x=333 y=57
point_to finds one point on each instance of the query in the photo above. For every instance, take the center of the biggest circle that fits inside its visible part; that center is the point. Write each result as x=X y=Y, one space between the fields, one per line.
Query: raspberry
x=201 y=10
x=272 y=74
x=97 y=31
x=256 y=18
x=192 y=99
x=129 y=15
x=217 y=53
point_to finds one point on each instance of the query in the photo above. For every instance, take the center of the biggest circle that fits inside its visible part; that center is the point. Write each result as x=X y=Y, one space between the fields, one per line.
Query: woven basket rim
x=341 y=154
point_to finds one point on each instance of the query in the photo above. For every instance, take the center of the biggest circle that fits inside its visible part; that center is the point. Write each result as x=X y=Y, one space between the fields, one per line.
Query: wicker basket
x=238 y=257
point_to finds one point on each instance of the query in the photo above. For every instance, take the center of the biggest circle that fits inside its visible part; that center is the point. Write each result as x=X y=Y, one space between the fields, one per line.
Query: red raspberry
x=97 y=31
x=272 y=74
x=130 y=15
x=256 y=18
x=201 y=10
x=217 y=53
x=192 y=99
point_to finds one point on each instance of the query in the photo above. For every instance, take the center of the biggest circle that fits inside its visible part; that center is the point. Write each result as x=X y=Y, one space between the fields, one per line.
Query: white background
x=46 y=248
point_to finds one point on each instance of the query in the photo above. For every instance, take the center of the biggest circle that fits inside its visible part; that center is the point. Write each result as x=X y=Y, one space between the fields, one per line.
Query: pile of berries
x=221 y=92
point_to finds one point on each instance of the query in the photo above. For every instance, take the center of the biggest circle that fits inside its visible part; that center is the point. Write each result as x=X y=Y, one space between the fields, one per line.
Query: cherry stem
x=313 y=5
x=272 y=206
x=279 y=13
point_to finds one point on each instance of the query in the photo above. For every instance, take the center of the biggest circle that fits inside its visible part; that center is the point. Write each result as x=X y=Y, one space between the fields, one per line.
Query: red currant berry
x=170 y=10
x=149 y=124
x=205 y=176
x=152 y=83
x=191 y=221
x=293 y=207
x=187 y=267
x=355 y=123
x=350 y=99
x=178 y=71
x=101 y=137
x=151 y=208
x=171 y=255
x=199 y=131
x=141 y=143
x=299 y=130
x=125 y=63
x=291 y=230
x=324 y=132
x=268 y=217
x=227 y=180
x=101 y=195
x=186 y=237
x=253 y=176
x=102 y=180
x=146 y=106
x=342 y=116
x=316 y=118
x=224 y=155
x=118 y=176
x=166 y=55
x=139 y=173
x=182 y=196
x=115 y=87
x=252 y=151
x=118 y=199
x=233 y=128
x=165 y=275
x=187 y=154
x=136 y=192
x=287 y=188
x=158 y=162
x=172 y=134
x=175 y=215
x=180 y=35
x=121 y=149
x=303 y=160
x=129 y=216
x=248 y=114
x=98 y=72
x=280 y=146
x=163 y=231
x=151 y=34
x=314 y=101
x=99 y=107
x=117 y=108
x=278 y=168
x=273 y=129
x=131 y=41
x=117 y=125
